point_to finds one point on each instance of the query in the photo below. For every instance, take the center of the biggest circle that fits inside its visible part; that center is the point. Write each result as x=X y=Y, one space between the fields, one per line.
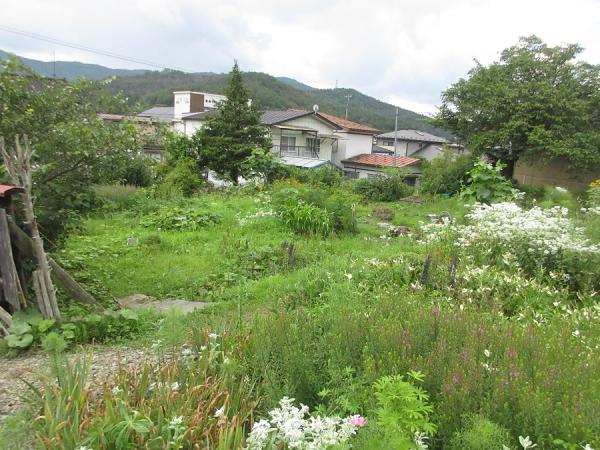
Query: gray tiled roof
x=200 y=115
x=274 y=117
x=414 y=135
x=160 y=113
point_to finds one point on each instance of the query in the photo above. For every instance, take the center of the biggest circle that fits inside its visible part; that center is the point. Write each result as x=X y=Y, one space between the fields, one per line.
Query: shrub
x=487 y=185
x=139 y=172
x=446 y=174
x=313 y=209
x=479 y=433
x=305 y=218
x=539 y=238
x=403 y=411
x=385 y=188
x=323 y=176
x=184 y=177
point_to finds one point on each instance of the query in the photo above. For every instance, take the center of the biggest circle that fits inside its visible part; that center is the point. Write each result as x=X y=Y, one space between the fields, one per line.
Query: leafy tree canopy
x=536 y=101
x=73 y=147
x=234 y=135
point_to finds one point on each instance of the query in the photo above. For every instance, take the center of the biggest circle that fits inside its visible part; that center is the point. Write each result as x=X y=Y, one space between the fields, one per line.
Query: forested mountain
x=73 y=69
x=148 y=88
x=156 y=88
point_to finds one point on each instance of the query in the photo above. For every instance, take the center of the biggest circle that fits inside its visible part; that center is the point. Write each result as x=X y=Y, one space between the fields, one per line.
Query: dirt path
x=104 y=363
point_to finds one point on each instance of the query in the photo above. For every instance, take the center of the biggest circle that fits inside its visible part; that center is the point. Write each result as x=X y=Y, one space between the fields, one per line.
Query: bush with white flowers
x=292 y=427
x=508 y=227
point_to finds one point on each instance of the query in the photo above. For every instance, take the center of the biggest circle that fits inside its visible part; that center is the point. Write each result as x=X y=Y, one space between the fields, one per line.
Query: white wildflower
x=487 y=353
x=175 y=386
x=116 y=390
x=526 y=442
x=220 y=412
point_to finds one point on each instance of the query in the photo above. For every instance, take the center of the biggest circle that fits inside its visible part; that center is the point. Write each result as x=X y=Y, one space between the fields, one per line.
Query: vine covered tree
x=535 y=102
x=234 y=137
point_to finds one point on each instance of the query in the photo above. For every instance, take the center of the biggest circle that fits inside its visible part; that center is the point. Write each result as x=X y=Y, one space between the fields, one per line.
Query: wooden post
x=7 y=265
x=60 y=276
x=5 y=316
x=18 y=165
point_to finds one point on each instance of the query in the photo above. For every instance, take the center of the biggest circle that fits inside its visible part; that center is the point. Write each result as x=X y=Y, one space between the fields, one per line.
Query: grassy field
x=471 y=346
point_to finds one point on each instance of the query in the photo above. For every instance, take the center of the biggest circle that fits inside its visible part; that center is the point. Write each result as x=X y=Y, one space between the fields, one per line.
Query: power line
x=63 y=43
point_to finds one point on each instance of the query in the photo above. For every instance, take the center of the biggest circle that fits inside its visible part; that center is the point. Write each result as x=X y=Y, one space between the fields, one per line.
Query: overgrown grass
x=504 y=353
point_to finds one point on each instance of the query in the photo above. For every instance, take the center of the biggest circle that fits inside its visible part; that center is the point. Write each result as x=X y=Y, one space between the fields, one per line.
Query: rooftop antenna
x=348 y=97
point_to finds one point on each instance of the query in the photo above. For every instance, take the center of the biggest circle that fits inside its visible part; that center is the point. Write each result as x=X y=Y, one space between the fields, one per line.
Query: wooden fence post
x=7 y=265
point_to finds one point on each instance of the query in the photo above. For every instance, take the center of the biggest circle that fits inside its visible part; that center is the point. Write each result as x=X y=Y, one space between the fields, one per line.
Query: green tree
x=73 y=148
x=233 y=136
x=535 y=102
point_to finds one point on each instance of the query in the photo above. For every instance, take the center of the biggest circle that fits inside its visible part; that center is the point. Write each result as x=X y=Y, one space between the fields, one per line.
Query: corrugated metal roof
x=308 y=163
x=275 y=117
x=381 y=160
x=414 y=135
x=160 y=113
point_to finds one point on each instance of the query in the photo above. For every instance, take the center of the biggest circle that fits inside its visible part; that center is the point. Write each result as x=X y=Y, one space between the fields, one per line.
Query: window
x=313 y=146
x=288 y=144
x=353 y=175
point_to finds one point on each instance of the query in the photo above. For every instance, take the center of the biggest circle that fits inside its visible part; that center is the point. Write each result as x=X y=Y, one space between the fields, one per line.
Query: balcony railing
x=295 y=150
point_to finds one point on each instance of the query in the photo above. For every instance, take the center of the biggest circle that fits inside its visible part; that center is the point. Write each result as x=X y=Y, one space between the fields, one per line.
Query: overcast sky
x=401 y=51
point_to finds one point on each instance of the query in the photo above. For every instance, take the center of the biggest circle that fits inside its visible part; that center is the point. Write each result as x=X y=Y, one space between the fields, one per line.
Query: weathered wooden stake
x=5 y=316
x=59 y=275
x=18 y=165
x=7 y=265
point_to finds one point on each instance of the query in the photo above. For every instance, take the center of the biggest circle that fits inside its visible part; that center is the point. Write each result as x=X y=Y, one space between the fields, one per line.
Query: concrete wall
x=351 y=144
x=553 y=173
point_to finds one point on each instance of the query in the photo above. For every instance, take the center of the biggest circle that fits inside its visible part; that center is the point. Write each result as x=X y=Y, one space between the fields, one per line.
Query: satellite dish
x=316 y=108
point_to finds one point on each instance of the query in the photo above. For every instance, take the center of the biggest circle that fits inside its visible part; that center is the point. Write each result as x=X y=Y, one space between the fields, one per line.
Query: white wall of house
x=187 y=127
x=351 y=144
x=299 y=137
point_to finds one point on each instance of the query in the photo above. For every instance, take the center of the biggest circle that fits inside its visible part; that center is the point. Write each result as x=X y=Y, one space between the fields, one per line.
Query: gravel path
x=104 y=363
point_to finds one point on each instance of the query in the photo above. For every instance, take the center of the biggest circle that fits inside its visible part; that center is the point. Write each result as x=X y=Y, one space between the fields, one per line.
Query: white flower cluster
x=290 y=426
x=259 y=214
x=591 y=210
x=541 y=231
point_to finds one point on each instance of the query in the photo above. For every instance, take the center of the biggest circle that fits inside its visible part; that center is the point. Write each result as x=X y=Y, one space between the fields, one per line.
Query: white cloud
x=405 y=52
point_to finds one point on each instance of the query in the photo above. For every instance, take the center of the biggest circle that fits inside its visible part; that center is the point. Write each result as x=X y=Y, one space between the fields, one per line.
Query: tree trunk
x=18 y=164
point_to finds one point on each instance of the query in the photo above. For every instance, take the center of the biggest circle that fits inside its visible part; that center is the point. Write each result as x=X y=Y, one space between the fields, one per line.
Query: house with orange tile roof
x=311 y=139
x=368 y=165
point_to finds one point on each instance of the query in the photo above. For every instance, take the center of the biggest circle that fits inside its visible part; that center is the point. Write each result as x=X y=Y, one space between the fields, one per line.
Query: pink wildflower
x=358 y=421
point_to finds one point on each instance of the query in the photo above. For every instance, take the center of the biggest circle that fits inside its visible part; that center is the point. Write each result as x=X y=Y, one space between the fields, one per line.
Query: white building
x=414 y=143
x=189 y=112
x=311 y=139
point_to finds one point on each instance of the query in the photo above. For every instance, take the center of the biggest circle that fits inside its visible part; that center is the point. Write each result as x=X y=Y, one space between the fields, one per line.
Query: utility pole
x=348 y=97
x=396 y=133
